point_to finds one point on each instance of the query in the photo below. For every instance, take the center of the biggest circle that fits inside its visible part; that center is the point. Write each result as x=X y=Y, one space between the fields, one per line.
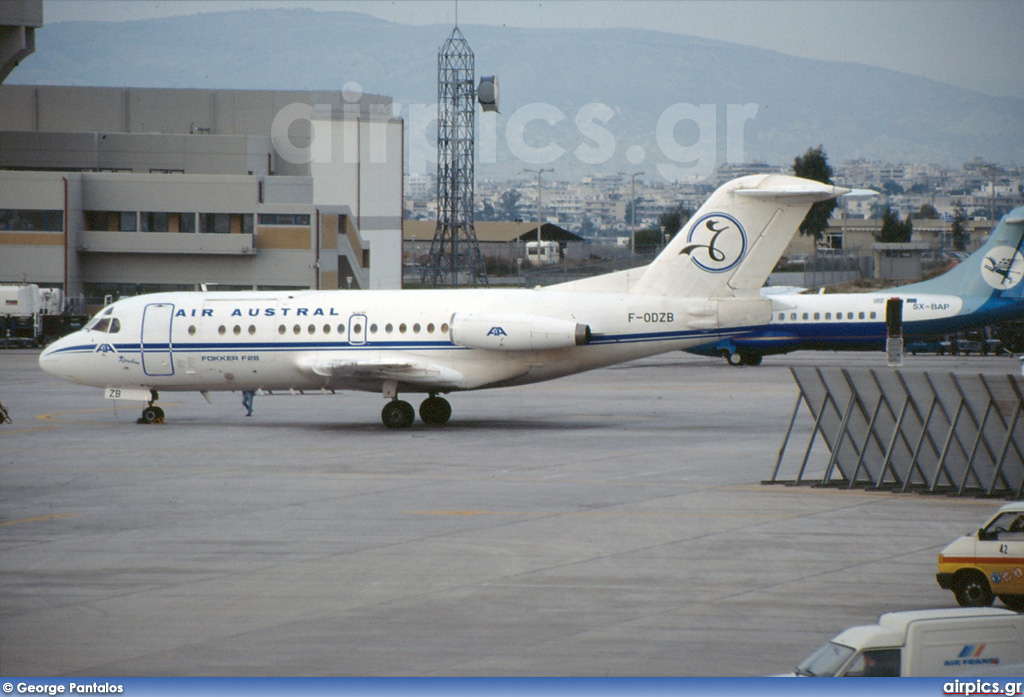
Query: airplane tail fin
x=996 y=268
x=732 y=243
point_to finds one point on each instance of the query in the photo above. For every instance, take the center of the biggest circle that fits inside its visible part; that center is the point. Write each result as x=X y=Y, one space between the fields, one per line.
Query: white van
x=922 y=643
x=988 y=562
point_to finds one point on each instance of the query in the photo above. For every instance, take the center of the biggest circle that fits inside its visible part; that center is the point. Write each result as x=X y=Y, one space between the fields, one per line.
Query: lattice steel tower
x=455 y=252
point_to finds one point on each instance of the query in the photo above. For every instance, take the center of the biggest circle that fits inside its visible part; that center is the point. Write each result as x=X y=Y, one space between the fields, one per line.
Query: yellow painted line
x=4 y=430
x=57 y=415
x=39 y=519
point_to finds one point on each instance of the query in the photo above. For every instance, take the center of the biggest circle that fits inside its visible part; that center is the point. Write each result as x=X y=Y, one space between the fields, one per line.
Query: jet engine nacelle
x=516 y=332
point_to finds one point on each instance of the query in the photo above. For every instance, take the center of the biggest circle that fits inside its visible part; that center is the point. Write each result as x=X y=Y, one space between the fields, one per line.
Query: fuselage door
x=357 y=330
x=156 y=339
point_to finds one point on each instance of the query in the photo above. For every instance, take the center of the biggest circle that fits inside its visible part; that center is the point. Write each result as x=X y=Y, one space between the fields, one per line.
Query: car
x=989 y=563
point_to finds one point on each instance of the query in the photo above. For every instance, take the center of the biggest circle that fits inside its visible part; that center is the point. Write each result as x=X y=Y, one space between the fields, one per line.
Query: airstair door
x=156 y=339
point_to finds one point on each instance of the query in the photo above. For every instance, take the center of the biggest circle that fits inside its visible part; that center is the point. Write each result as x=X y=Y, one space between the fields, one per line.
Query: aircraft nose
x=55 y=359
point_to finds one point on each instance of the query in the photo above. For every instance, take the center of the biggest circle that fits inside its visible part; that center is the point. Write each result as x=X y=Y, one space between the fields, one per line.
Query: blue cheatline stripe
x=230 y=347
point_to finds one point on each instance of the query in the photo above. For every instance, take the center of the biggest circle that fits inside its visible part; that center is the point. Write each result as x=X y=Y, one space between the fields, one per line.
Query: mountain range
x=580 y=101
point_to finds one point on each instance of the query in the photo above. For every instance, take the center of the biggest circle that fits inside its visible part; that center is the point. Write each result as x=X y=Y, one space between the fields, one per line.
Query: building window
x=154 y=222
x=186 y=221
x=216 y=223
x=43 y=221
x=128 y=221
x=284 y=219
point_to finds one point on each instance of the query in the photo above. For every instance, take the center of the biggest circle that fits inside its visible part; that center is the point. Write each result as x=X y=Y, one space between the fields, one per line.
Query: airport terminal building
x=111 y=191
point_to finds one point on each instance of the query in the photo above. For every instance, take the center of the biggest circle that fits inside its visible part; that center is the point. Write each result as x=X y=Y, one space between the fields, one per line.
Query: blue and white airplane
x=703 y=287
x=985 y=288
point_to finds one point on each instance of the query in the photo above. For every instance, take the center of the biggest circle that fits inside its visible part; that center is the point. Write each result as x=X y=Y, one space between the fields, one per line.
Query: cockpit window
x=109 y=325
x=98 y=317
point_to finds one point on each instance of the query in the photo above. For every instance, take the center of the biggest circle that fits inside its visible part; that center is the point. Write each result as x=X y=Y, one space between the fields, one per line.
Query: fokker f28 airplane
x=701 y=288
x=984 y=288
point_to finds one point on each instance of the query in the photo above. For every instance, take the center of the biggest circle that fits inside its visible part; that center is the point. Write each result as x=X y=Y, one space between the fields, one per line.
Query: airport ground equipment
x=988 y=562
x=911 y=431
x=922 y=643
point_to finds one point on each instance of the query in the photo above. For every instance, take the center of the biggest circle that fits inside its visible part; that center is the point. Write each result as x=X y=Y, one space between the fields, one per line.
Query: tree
x=671 y=221
x=486 y=212
x=959 y=229
x=587 y=227
x=927 y=212
x=892 y=188
x=508 y=205
x=630 y=205
x=813 y=164
x=893 y=230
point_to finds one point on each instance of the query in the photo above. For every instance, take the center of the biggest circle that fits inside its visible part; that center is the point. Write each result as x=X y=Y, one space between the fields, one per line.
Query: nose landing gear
x=151 y=414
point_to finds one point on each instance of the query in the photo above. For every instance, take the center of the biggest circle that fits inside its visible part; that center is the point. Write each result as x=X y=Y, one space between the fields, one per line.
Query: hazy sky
x=969 y=43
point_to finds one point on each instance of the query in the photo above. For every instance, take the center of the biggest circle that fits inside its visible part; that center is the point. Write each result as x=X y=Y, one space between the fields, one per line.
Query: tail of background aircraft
x=995 y=269
x=729 y=246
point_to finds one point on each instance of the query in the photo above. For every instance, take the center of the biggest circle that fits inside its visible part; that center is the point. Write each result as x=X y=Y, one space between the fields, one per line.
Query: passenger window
x=849 y=315
x=401 y=328
x=192 y=330
x=828 y=315
x=296 y=329
x=341 y=328
x=430 y=328
x=792 y=316
x=388 y=328
x=252 y=330
x=311 y=329
x=415 y=329
x=873 y=315
x=817 y=315
x=327 y=329
x=444 y=328
x=222 y=330
x=357 y=329
x=237 y=330
x=806 y=315
x=282 y=329
x=860 y=316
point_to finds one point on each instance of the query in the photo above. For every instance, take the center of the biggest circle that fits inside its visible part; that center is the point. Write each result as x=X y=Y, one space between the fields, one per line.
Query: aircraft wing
x=408 y=371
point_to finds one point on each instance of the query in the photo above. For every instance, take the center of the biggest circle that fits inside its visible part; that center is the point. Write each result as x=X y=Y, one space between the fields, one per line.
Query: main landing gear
x=151 y=414
x=738 y=358
x=398 y=413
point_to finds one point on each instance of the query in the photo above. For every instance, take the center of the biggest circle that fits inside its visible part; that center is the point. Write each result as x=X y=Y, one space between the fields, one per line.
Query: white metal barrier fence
x=911 y=431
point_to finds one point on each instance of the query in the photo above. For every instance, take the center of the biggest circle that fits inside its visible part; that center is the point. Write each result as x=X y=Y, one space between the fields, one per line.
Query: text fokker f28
x=703 y=287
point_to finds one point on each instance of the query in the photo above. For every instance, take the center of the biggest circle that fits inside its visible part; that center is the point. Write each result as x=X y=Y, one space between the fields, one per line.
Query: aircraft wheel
x=734 y=358
x=435 y=411
x=152 y=415
x=397 y=414
x=971 y=590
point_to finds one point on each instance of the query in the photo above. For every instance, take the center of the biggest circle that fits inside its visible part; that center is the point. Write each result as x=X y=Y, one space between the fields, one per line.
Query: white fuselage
x=281 y=341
